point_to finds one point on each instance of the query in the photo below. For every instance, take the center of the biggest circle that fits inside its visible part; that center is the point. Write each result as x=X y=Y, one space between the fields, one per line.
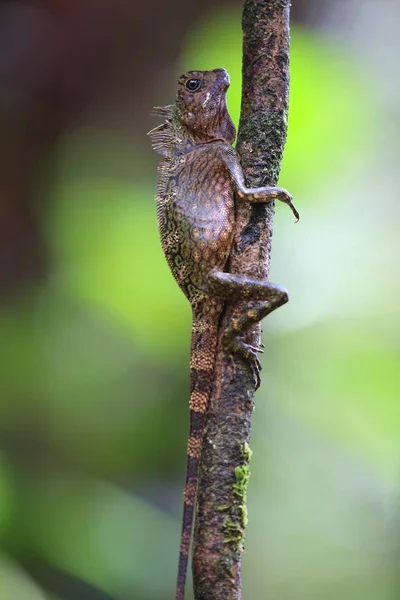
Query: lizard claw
x=250 y=354
x=256 y=349
x=288 y=201
x=232 y=368
x=294 y=211
x=287 y=198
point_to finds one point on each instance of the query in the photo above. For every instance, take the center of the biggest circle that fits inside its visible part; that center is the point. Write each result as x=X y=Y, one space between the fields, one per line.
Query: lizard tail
x=204 y=340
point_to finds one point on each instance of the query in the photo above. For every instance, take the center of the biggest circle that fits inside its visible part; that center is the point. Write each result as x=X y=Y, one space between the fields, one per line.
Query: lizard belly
x=197 y=237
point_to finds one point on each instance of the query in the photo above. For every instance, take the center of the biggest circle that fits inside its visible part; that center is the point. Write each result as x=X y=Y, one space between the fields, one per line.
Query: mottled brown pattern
x=194 y=445
x=198 y=401
x=185 y=543
x=199 y=181
x=190 y=493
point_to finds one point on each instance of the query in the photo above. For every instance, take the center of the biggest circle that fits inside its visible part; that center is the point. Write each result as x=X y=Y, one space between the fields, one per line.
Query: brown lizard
x=199 y=181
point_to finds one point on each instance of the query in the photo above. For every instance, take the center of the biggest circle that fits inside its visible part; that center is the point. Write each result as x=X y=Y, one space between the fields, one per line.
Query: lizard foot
x=249 y=353
x=287 y=198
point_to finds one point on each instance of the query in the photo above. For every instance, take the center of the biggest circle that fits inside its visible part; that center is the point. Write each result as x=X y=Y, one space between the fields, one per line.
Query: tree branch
x=222 y=516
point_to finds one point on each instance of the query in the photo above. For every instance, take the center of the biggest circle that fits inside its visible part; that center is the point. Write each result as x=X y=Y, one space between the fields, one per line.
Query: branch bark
x=222 y=516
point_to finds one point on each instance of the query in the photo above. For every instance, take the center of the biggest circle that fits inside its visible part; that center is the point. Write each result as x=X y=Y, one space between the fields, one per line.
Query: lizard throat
x=179 y=134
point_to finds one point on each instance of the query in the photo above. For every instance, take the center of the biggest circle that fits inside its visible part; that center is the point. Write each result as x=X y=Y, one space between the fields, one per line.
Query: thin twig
x=222 y=516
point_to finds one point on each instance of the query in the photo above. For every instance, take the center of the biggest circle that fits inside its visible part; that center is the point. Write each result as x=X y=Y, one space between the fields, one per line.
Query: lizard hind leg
x=264 y=297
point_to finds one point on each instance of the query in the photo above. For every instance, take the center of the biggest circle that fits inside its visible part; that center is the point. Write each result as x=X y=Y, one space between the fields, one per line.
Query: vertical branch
x=222 y=515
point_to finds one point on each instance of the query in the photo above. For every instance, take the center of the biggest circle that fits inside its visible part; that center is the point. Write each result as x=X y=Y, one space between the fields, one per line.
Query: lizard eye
x=193 y=84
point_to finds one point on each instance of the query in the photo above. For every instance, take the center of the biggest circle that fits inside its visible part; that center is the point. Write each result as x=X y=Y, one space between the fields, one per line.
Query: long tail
x=204 y=340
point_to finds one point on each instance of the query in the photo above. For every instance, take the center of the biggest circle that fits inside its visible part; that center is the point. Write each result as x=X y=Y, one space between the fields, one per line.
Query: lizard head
x=201 y=104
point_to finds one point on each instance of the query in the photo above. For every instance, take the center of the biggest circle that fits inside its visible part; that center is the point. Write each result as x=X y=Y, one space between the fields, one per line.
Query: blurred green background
x=95 y=334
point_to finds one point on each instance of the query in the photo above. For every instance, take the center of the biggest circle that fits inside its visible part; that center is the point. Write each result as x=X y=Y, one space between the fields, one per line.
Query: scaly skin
x=199 y=181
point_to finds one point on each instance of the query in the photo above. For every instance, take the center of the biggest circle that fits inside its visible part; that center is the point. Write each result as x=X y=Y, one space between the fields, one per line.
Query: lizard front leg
x=267 y=297
x=254 y=195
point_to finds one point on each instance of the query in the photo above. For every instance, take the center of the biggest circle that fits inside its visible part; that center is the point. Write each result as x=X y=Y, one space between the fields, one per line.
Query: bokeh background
x=94 y=334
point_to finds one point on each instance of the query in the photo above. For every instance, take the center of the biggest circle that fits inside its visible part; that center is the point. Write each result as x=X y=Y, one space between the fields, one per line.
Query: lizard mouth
x=217 y=93
x=221 y=84
x=224 y=84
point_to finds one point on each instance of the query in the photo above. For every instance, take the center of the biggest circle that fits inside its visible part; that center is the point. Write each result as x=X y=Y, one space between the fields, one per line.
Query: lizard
x=199 y=182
